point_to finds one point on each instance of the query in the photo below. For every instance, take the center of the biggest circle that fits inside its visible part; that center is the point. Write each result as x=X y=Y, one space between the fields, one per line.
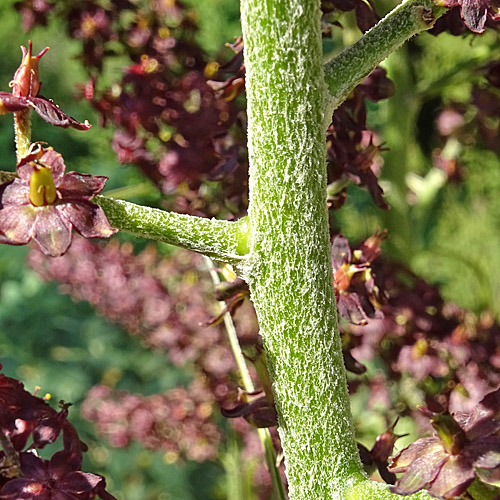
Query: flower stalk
x=345 y=71
x=22 y=131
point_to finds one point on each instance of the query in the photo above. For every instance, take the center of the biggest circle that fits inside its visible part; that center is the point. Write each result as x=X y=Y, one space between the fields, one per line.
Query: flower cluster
x=27 y=424
x=168 y=121
x=165 y=302
x=137 y=292
x=353 y=151
x=178 y=422
x=167 y=118
x=34 y=12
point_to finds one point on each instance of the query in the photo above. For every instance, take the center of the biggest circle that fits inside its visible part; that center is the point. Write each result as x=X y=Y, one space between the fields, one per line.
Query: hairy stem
x=22 y=130
x=344 y=72
x=289 y=270
x=224 y=240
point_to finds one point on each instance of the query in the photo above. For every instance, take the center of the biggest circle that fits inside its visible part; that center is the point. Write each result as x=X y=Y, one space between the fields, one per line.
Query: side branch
x=223 y=240
x=354 y=63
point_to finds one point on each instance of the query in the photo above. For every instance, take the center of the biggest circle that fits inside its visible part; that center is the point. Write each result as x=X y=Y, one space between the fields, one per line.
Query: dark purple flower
x=44 y=204
x=34 y=12
x=464 y=448
x=56 y=479
x=255 y=408
x=353 y=279
x=475 y=12
x=378 y=456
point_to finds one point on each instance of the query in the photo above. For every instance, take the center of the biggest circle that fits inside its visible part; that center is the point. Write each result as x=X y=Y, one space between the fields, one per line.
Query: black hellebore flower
x=59 y=478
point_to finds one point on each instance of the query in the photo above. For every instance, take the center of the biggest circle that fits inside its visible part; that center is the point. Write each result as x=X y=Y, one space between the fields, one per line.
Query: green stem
x=224 y=240
x=22 y=130
x=344 y=72
x=264 y=434
x=289 y=269
x=232 y=336
x=127 y=192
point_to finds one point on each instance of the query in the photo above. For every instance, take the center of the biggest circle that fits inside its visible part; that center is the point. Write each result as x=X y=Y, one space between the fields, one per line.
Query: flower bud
x=26 y=81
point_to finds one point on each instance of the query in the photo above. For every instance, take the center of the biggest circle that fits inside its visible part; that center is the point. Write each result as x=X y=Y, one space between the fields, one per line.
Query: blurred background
x=436 y=160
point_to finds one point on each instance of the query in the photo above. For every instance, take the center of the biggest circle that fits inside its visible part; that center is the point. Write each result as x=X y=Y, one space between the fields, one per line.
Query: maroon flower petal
x=88 y=219
x=52 y=232
x=62 y=495
x=259 y=413
x=49 y=158
x=421 y=472
x=453 y=479
x=421 y=463
x=405 y=457
x=484 y=453
x=101 y=491
x=51 y=113
x=485 y=418
x=340 y=252
x=79 y=482
x=24 y=489
x=16 y=193
x=25 y=168
x=351 y=310
x=16 y=223
x=55 y=161
x=33 y=467
x=489 y=476
x=474 y=14
x=63 y=463
x=78 y=185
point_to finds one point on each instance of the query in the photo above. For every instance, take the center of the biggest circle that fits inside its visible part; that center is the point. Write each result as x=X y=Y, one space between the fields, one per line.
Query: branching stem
x=345 y=71
x=224 y=240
